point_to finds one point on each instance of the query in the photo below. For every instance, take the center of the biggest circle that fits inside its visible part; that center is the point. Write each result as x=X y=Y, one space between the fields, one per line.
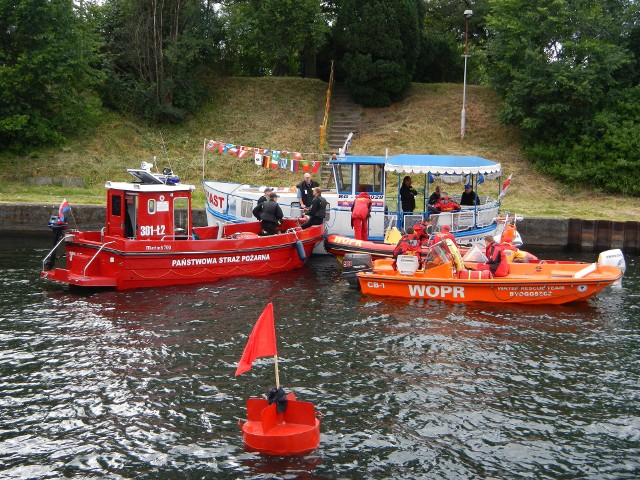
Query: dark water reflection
x=140 y=384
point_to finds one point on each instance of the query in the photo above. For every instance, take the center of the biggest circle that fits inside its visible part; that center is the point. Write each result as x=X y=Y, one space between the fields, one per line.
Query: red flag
x=261 y=343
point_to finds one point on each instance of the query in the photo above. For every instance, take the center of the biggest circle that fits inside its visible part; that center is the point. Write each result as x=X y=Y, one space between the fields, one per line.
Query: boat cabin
x=153 y=207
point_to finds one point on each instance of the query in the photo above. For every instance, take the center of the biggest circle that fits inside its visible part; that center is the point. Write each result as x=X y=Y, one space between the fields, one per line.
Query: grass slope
x=285 y=113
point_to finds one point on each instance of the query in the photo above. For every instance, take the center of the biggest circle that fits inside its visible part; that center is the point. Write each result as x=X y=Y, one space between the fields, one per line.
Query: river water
x=141 y=384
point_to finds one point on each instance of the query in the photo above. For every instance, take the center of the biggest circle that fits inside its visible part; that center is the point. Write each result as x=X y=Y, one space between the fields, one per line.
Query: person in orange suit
x=360 y=214
x=445 y=232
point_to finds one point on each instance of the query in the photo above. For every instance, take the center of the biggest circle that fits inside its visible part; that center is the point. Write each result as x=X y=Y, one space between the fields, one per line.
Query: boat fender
x=300 y=249
x=455 y=253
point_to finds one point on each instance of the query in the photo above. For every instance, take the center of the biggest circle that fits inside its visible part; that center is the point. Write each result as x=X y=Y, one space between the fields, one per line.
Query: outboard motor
x=614 y=258
x=353 y=263
x=58 y=229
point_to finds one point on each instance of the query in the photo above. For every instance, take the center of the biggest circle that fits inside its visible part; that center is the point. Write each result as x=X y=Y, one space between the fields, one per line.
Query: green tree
x=381 y=41
x=153 y=49
x=274 y=37
x=48 y=59
x=443 y=40
x=565 y=72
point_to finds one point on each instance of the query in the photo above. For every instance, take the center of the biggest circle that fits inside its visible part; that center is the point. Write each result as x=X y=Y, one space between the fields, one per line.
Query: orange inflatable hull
x=295 y=431
x=527 y=283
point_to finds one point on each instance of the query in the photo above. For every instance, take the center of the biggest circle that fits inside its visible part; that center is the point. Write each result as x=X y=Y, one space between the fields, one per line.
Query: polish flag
x=505 y=186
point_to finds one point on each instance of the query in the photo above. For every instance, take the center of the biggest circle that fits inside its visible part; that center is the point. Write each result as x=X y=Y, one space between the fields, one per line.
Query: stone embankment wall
x=572 y=234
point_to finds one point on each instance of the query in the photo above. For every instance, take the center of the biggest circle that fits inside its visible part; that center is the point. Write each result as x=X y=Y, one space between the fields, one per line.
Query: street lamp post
x=463 y=115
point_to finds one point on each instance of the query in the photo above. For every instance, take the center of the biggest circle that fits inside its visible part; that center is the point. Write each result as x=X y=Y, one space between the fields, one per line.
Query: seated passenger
x=445 y=232
x=435 y=196
x=407 y=245
x=497 y=260
x=469 y=197
x=422 y=231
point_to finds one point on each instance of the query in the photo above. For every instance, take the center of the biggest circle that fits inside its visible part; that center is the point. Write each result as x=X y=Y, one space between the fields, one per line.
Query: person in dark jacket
x=469 y=197
x=317 y=210
x=270 y=214
x=263 y=198
x=408 y=195
x=305 y=191
x=435 y=196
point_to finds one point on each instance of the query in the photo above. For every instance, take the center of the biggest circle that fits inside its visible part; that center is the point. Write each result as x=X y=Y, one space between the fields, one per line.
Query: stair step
x=346 y=117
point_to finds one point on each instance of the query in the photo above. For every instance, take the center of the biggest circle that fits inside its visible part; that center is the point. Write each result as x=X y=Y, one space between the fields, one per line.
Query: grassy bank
x=285 y=113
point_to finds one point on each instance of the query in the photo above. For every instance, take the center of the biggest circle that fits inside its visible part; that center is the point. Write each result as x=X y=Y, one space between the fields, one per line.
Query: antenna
x=164 y=149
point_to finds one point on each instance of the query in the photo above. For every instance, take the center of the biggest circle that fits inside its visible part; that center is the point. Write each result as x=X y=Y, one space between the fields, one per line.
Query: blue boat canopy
x=434 y=164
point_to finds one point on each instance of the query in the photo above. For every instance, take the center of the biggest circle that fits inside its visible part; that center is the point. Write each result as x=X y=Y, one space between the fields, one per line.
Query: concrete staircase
x=346 y=116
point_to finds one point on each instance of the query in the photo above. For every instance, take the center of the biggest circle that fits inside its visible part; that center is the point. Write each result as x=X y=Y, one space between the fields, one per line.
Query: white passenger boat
x=352 y=174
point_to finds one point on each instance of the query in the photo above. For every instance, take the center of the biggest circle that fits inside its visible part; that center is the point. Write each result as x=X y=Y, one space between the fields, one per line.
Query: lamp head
x=468 y=13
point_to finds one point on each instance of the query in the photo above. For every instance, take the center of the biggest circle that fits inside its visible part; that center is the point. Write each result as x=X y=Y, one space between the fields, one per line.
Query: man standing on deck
x=360 y=214
x=305 y=191
x=262 y=199
x=270 y=214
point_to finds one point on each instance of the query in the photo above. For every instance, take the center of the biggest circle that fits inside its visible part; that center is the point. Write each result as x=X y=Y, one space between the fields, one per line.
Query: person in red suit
x=496 y=257
x=360 y=214
x=445 y=232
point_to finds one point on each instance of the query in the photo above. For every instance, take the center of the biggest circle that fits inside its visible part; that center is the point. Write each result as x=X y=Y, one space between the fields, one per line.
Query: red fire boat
x=149 y=241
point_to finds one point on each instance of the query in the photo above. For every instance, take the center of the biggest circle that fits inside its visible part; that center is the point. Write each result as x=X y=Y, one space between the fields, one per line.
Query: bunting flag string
x=270 y=158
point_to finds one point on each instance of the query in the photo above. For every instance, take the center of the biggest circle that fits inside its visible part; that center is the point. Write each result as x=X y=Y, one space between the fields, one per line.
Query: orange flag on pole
x=261 y=343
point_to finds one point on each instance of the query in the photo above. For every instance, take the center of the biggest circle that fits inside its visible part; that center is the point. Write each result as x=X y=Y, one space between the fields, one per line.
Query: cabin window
x=130 y=218
x=369 y=178
x=116 y=205
x=344 y=178
x=181 y=215
x=151 y=206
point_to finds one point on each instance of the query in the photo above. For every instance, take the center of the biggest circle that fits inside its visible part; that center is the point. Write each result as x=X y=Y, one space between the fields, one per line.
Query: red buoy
x=295 y=431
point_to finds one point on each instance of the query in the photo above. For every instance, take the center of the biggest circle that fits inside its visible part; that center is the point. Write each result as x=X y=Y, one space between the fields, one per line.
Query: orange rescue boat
x=443 y=275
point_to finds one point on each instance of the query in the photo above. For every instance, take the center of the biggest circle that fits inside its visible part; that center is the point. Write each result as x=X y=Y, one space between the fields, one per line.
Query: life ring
x=455 y=253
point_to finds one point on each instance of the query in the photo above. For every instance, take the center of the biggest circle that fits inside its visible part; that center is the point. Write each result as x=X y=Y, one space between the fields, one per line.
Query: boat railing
x=84 y=272
x=44 y=260
x=390 y=221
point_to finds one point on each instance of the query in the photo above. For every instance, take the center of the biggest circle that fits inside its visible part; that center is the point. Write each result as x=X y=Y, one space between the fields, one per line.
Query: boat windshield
x=438 y=255
x=343 y=178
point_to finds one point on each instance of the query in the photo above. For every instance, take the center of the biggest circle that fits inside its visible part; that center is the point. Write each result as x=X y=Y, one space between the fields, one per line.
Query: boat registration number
x=146 y=230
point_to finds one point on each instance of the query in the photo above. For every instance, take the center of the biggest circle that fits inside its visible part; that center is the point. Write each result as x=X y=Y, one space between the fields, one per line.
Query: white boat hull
x=234 y=202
